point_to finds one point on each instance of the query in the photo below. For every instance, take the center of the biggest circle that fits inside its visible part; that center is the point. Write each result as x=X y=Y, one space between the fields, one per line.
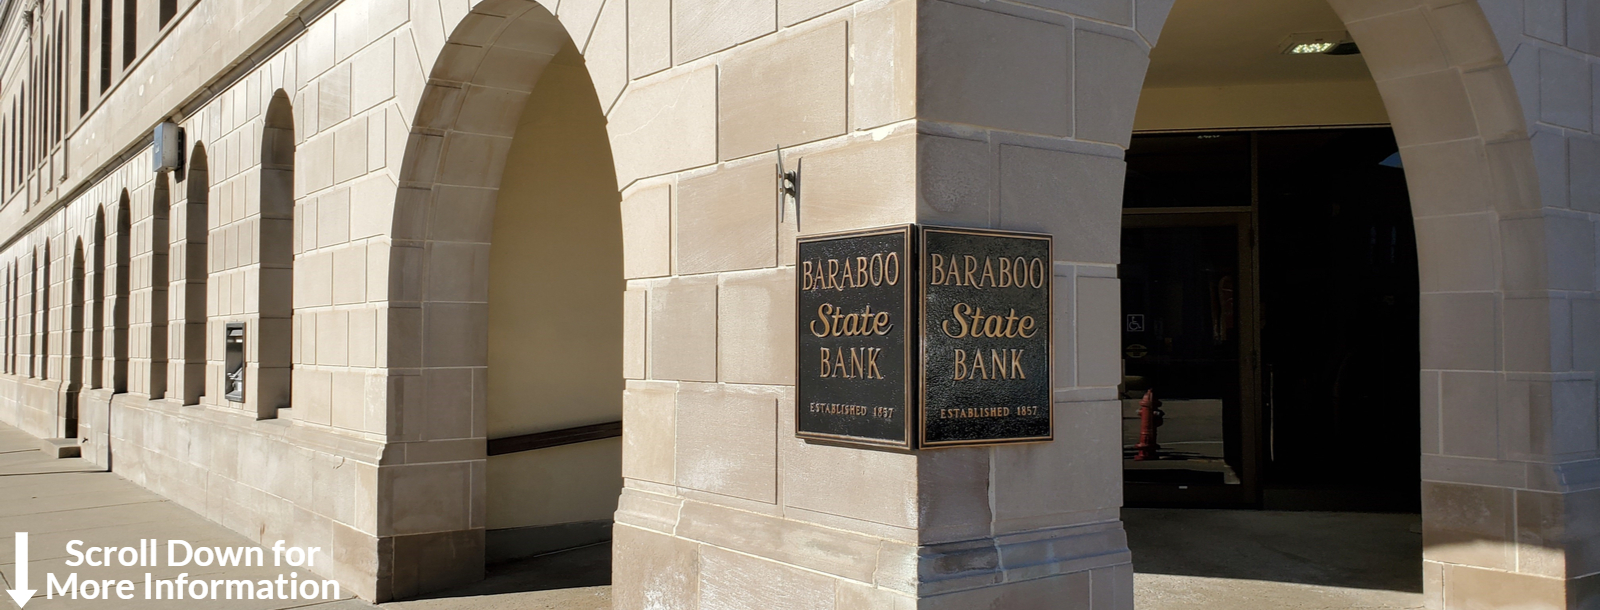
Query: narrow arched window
x=191 y=278
x=11 y=316
x=16 y=314
x=274 y=332
x=120 y=276
x=159 y=242
x=76 y=302
x=97 y=301
x=44 y=316
x=33 y=314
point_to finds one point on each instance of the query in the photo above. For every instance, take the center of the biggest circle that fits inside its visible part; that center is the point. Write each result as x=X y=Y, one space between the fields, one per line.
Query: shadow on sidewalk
x=575 y=579
x=1370 y=551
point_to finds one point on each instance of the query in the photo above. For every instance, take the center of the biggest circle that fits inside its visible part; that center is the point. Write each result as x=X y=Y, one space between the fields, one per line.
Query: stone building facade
x=343 y=161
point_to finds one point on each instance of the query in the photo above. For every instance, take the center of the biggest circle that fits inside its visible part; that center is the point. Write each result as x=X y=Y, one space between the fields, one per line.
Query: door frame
x=1247 y=494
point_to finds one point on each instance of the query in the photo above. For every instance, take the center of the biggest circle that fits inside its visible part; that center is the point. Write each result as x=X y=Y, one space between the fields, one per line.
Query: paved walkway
x=1185 y=559
x=57 y=501
x=1257 y=560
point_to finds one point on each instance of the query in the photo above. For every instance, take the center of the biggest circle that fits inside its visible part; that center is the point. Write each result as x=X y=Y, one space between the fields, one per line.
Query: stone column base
x=1450 y=586
x=719 y=557
x=60 y=447
x=416 y=564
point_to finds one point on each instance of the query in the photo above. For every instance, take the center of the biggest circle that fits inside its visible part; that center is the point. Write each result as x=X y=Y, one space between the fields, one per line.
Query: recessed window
x=130 y=31
x=233 y=362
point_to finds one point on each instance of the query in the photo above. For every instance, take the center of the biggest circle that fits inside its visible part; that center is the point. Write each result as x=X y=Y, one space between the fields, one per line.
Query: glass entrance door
x=1190 y=410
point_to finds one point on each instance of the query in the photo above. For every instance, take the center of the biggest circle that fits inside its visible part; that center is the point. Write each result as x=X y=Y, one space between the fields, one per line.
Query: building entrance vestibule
x=1269 y=300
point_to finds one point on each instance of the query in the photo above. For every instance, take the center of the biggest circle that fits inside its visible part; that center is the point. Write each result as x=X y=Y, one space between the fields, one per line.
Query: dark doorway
x=1339 y=309
x=1270 y=304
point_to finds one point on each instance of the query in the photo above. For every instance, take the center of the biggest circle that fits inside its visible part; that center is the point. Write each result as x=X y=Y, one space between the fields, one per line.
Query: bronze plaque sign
x=924 y=336
x=855 y=367
x=986 y=351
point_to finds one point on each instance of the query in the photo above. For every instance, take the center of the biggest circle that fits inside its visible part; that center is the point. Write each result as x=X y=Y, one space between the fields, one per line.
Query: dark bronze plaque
x=986 y=350
x=854 y=362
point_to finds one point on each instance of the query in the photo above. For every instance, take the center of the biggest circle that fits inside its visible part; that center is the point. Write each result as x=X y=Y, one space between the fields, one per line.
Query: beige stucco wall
x=1260 y=105
x=555 y=307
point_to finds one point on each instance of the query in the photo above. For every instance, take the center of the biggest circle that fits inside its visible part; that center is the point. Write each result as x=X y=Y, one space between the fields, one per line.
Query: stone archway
x=465 y=110
x=1501 y=382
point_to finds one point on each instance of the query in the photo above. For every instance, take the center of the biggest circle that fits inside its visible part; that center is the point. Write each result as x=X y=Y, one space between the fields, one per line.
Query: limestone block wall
x=269 y=480
x=312 y=477
x=1029 y=134
x=988 y=114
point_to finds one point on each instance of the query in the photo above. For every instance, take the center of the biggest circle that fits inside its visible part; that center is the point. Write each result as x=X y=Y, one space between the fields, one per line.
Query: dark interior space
x=1339 y=322
x=1270 y=304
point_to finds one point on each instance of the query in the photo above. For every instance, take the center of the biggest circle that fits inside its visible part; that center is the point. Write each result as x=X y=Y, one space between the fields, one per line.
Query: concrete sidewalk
x=59 y=500
x=1184 y=559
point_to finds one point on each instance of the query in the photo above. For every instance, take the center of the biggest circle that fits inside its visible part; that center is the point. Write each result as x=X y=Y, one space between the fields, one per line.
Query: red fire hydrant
x=1150 y=418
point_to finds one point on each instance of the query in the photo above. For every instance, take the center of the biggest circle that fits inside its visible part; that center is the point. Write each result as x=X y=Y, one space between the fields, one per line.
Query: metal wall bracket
x=789 y=188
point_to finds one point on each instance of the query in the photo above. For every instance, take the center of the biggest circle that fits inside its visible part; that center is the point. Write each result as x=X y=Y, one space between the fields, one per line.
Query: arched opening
x=521 y=315
x=33 y=315
x=75 y=339
x=268 y=374
x=11 y=318
x=16 y=317
x=42 y=320
x=1268 y=268
x=1269 y=294
x=1360 y=259
x=97 y=303
x=159 y=242
x=120 y=273
x=554 y=330
x=189 y=339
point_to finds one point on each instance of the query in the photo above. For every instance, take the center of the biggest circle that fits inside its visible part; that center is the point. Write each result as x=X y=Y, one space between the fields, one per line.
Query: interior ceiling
x=1235 y=42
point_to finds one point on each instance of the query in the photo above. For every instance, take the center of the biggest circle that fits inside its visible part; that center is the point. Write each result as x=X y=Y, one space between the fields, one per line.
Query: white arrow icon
x=22 y=593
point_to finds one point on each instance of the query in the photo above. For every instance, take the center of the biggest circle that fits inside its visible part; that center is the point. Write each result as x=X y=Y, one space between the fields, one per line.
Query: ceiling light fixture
x=1318 y=43
x=1306 y=48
